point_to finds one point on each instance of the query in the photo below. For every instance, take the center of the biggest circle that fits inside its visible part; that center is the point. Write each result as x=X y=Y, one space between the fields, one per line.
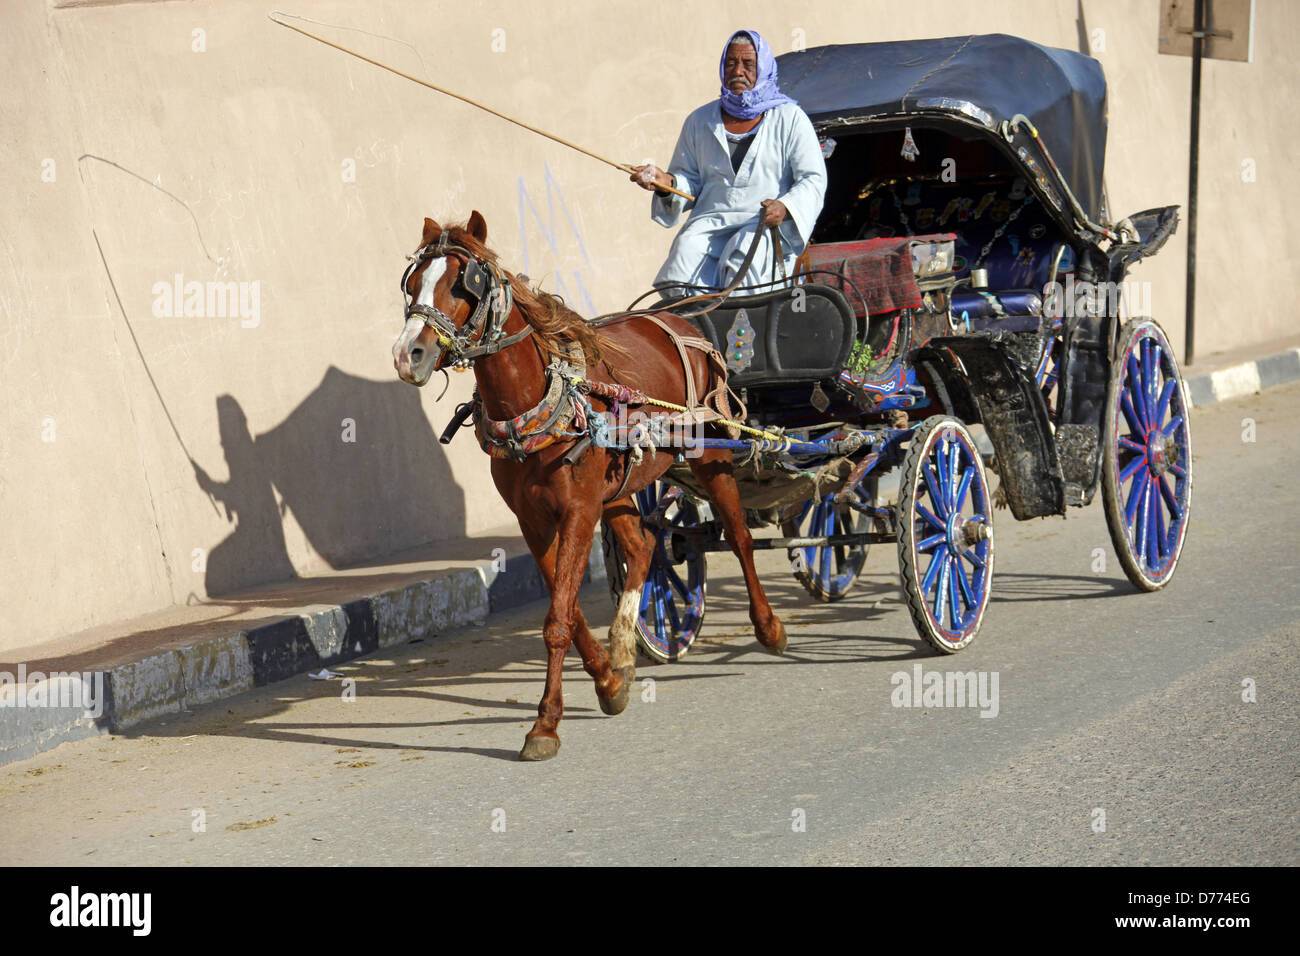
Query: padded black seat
x=803 y=334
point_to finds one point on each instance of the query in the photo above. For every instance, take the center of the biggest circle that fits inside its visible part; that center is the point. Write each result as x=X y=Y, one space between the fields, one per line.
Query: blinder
x=474 y=279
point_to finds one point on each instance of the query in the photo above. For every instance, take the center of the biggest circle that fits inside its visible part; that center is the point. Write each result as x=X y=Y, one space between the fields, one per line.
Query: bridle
x=483 y=332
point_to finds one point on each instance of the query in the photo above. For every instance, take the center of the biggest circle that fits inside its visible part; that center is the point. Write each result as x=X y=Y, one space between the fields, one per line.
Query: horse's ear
x=431 y=230
x=478 y=226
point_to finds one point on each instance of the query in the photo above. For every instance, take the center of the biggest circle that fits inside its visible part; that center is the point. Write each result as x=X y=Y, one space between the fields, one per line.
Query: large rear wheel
x=1146 y=456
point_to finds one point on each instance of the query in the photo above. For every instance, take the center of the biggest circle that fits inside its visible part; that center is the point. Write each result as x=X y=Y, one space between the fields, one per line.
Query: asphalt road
x=1121 y=734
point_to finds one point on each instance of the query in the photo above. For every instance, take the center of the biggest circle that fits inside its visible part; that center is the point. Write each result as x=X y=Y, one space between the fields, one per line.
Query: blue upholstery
x=1012 y=264
x=986 y=304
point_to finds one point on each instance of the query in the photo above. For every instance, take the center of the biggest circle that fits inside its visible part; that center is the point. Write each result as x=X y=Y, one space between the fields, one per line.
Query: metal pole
x=1198 y=34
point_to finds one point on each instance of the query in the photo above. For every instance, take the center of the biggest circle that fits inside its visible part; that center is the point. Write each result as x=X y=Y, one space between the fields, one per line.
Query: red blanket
x=881 y=269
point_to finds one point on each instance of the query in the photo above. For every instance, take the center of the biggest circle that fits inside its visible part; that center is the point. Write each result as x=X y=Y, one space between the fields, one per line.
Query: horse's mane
x=554 y=323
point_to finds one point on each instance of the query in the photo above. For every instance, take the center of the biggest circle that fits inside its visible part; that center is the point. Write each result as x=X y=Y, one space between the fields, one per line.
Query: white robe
x=783 y=162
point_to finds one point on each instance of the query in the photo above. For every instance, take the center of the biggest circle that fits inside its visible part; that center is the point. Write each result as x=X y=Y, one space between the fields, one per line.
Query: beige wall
x=231 y=169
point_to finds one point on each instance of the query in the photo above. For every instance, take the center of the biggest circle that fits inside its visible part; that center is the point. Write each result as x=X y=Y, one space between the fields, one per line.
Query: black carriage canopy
x=981 y=80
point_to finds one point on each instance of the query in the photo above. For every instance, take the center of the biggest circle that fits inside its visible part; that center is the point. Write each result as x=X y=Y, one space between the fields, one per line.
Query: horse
x=462 y=307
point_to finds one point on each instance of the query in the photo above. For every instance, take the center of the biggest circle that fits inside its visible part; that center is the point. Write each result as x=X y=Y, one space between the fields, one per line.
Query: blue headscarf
x=764 y=94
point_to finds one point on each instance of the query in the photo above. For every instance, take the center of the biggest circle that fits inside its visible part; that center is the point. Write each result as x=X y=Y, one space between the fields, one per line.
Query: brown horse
x=463 y=307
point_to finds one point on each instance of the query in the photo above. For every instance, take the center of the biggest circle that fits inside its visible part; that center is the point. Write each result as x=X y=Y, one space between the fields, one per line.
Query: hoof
x=618 y=703
x=539 y=748
x=779 y=646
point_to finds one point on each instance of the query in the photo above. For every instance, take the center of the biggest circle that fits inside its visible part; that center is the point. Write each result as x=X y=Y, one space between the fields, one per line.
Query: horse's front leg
x=713 y=469
x=611 y=687
x=565 y=558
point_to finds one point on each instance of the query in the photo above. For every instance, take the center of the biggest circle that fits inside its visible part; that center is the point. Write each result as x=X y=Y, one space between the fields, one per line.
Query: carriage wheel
x=827 y=572
x=945 y=538
x=672 y=599
x=1146 y=456
x=1048 y=373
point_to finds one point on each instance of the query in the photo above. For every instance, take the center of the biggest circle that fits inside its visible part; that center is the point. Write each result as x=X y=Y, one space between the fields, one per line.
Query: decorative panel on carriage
x=799 y=335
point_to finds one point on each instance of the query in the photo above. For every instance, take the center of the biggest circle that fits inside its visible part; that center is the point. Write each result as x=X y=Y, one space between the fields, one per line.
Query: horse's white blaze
x=428 y=281
x=622 y=632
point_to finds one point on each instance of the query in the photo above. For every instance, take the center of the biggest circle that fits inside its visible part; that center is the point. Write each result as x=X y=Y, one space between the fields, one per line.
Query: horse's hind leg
x=624 y=520
x=613 y=685
x=713 y=469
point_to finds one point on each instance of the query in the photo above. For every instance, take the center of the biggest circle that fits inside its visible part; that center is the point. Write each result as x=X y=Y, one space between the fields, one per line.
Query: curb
x=1246 y=378
x=173 y=682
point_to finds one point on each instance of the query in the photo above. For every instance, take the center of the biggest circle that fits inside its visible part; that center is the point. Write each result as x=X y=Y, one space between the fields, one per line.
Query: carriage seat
x=804 y=334
x=880 y=276
x=1017 y=275
x=984 y=304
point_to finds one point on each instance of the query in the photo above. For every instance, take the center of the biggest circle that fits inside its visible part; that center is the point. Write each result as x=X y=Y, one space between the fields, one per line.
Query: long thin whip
x=147 y=371
x=465 y=99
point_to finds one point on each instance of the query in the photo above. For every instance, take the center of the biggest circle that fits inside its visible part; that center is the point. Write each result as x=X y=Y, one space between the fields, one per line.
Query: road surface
x=1121 y=735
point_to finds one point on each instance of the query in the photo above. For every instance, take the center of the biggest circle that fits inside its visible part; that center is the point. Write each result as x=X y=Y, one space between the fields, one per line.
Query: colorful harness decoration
x=545 y=423
x=565 y=414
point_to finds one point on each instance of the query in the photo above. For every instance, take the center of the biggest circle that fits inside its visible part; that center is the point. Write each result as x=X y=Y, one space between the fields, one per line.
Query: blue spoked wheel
x=945 y=538
x=827 y=572
x=1146 y=456
x=1048 y=373
x=672 y=599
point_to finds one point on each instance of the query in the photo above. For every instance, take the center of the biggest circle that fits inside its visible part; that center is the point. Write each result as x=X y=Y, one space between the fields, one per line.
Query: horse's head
x=457 y=301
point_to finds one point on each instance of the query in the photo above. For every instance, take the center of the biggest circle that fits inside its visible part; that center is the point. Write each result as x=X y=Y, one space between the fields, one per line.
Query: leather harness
x=562 y=414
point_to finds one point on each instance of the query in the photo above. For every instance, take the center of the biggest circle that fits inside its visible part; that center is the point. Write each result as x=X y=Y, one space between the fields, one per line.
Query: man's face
x=740 y=69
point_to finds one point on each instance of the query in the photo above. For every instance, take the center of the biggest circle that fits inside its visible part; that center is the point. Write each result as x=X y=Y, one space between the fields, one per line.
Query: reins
x=721 y=295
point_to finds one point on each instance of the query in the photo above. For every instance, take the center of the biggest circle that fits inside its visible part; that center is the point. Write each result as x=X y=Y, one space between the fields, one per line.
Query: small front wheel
x=945 y=537
x=827 y=571
x=672 y=598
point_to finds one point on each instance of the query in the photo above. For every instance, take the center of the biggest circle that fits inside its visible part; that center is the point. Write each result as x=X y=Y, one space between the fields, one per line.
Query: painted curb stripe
x=1244 y=379
x=1235 y=381
x=174 y=681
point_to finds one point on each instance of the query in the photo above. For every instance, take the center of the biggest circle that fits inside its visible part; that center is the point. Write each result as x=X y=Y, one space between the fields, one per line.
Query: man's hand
x=774 y=212
x=650 y=177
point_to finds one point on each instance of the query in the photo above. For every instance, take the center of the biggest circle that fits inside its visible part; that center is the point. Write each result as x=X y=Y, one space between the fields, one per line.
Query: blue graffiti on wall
x=547 y=226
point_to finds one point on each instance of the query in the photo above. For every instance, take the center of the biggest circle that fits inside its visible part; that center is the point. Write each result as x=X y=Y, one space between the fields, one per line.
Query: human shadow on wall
x=358 y=465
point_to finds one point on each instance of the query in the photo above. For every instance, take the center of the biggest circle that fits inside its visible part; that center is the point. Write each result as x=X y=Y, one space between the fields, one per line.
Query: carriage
x=961 y=309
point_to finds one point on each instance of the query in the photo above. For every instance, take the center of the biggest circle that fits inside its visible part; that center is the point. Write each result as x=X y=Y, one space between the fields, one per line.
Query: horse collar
x=545 y=423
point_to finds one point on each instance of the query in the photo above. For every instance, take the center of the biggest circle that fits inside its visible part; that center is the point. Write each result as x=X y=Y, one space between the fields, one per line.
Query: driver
x=751 y=160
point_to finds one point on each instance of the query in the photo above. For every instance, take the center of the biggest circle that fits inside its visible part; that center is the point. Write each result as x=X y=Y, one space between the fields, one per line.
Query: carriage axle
x=816 y=541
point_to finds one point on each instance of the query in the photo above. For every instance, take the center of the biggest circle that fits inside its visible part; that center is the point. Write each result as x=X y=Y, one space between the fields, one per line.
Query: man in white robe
x=780 y=177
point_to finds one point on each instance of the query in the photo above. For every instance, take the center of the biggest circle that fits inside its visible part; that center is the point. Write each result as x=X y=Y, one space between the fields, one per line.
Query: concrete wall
x=150 y=140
